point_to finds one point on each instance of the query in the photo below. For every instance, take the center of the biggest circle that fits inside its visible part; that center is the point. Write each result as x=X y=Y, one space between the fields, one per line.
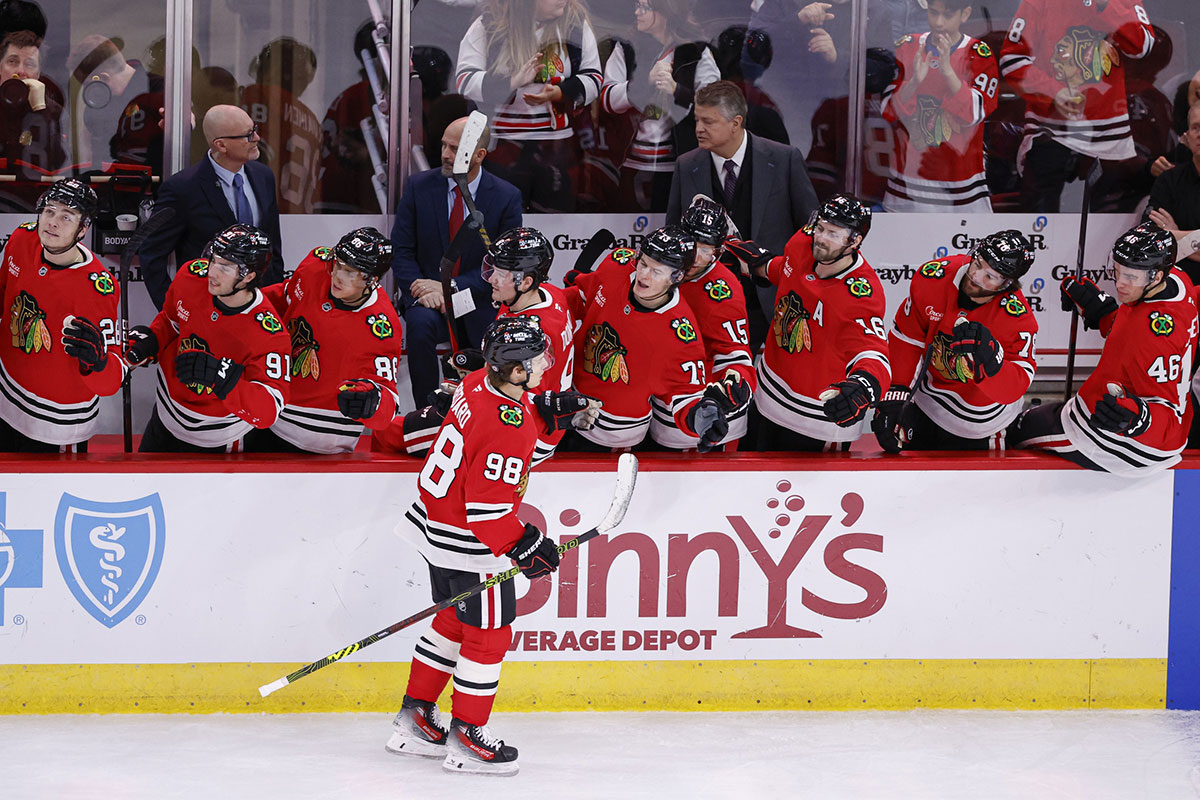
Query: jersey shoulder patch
x=1161 y=323
x=380 y=325
x=102 y=281
x=905 y=39
x=29 y=226
x=623 y=255
x=268 y=321
x=859 y=286
x=511 y=415
x=684 y=330
x=323 y=253
x=198 y=267
x=982 y=49
x=934 y=269
x=718 y=290
x=1014 y=306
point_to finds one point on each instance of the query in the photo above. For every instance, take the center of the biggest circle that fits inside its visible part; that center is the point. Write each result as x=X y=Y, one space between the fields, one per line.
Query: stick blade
x=627 y=471
x=469 y=142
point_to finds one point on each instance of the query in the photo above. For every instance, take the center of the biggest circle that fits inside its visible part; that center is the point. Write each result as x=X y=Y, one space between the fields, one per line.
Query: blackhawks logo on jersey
x=323 y=253
x=512 y=415
x=982 y=48
x=1013 y=305
x=943 y=361
x=198 y=267
x=859 y=287
x=790 y=324
x=684 y=331
x=603 y=355
x=934 y=124
x=1161 y=324
x=194 y=342
x=718 y=290
x=29 y=226
x=381 y=326
x=102 y=281
x=305 y=363
x=934 y=269
x=1083 y=55
x=268 y=321
x=28 y=325
x=623 y=255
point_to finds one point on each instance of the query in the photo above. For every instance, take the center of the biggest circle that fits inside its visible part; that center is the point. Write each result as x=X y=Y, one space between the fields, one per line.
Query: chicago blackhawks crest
x=790 y=324
x=934 y=124
x=28 y=325
x=718 y=290
x=102 y=282
x=859 y=286
x=603 y=355
x=323 y=253
x=198 y=267
x=684 y=330
x=381 y=326
x=943 y=361
x=623 y=255
x=1083 y=55
x=934 y=269
x=305 y=363
x=268 y=321
x=511 y=415
x=1013 y=305
x=1161 y=324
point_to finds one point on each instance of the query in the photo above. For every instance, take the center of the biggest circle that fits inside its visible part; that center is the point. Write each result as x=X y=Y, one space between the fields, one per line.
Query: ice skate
x=418 y=730
x=472 y=749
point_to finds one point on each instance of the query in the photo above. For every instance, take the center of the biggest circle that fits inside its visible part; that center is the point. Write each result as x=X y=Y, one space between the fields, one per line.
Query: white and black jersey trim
x=542 y=450
x=664 y=430
x=954 y=415
x=909 y=191
x=777 y=402
x=443 y=537
x=1014 y=61
x=198 y=429
x=613 y=431
x=486 y=512
x=318 y=430
x=44 y=420
x=1112 y=452
x=725 y=361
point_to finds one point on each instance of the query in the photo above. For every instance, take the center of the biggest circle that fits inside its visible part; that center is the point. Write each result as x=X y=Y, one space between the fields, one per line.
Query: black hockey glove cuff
x=731 y=392
x=891 y=430
x=566 y=411
x=708 y=421
x=973 y=341
x=358 y=398
x=142 y=347
x=1093 y=302
x=535 y=554
x=1128 y=415
x=197 y=368
x=846 y=402
x=84 y=341
x=462 y=363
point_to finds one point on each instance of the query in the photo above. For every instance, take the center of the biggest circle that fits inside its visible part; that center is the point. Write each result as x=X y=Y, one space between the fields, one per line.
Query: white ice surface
x=923 y=754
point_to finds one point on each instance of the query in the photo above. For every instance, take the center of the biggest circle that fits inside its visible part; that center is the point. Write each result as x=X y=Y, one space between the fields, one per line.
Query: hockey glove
x=198 y=368
x=1128 y=415
x=847 y=402
x=566 y=411
x=440 y=398
x=142 y=347
x=892 y=423
x=707 y=419
x=534 y=553
x=1093 y=302
x=974 y=341
x=84 y=341
x=744 y=256
x=572 y=276
x=730 y=393
x=462 y=363
x=358 y=398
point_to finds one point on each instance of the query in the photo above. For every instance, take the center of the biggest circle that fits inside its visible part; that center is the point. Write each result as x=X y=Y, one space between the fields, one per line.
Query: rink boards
x=743 y=584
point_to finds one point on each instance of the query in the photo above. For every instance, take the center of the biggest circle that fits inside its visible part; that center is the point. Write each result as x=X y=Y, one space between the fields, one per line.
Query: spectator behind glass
x=1186 y=96
x=117 y=107
x=945 y=87
x=1066 y=60
x=30 y=106
x=1175 y=198
x=530 y=64
x=291 y=133
x=742 y=56
x=661 y=99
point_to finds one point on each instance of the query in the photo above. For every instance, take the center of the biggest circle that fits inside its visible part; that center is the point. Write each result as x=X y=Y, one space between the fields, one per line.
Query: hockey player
x=345 y=348
x=60 y=309
x=944 y=89
x=826 y=355
x=1066 y=58
x=221 y=348
x=465 y=525
x=1131 y=416
x=715 y=296
x=967 y=312
x=638 y=341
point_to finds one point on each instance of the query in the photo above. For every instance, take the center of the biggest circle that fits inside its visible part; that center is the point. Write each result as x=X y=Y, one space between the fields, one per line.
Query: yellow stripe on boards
x=841 y=685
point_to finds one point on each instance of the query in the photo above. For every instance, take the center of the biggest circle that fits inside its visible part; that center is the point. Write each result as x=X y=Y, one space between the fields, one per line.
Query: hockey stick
x=627 y=469
x=156 y=221
x=601 y=240
x=1088 y=185
x=468 y=144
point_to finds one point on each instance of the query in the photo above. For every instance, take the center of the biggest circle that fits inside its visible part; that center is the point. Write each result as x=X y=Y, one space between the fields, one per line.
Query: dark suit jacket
x=201 y=212
x=781 y=199
x=421 y=232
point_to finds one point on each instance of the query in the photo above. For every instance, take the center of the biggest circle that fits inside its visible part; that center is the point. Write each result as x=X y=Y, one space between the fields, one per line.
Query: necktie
x=242 y=209
x=457 y=215
x=730 y=184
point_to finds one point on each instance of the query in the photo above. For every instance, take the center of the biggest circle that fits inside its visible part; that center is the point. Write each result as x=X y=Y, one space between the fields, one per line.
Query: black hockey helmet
x=705 y=220
x=510 y=341
x=847 y=211
x=1146 y=247
x=672 y=246
x=524 y=251
x=1007 y=252
x=366 y=250
x=244 y=245
x=72 y=193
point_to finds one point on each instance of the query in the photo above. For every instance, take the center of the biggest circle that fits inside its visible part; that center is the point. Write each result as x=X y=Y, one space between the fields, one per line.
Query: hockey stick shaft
x=458 y=330
x=622 y=494
x=1085 y=211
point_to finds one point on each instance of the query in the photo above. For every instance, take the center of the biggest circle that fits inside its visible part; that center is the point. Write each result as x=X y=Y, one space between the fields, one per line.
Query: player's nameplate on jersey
x=462 y=303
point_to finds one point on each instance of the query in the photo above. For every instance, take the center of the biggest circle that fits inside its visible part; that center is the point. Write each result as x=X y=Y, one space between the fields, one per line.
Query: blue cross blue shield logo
x=109 y=553
x=20 y=557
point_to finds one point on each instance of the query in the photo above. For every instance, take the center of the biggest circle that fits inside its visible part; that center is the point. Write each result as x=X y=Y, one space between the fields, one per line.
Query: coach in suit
x=429 y=207
x=762 y=184
x=228 y=185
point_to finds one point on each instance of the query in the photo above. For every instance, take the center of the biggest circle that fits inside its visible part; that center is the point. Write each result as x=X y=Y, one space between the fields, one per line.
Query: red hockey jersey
x=822 y=330
x=1078 y=45
x=330 y=345
x=253 y=337
x=42 y=393
x=291 y=144
x=717 y=299
x=473 y=479
x=938 y=160
x=949 y=394
x=1149 y=351
x=626 y=355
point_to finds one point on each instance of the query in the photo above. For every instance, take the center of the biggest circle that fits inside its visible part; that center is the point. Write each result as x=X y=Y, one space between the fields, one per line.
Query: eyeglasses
x=247 y=136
